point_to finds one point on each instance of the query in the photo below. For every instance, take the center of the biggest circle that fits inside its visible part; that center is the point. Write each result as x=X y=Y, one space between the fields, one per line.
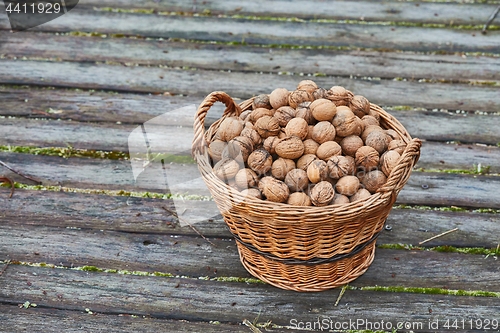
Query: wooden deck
x=91 y=250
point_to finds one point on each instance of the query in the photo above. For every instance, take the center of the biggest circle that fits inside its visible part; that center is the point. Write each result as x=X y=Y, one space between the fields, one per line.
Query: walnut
x=284 y=114
x=261 y=101
x=282 y=134
x=360 y=106
x=252 y=134
x=226 y=169
x=296 y=180
x=244 y=115
x=307 y=85
x=374 y=180
x=304 y=161
x=398 y=146
x=375 y=114
x=367 y=158
x=259 y=113
x=323 y=131
x=270 y=144
x=321 y=194
x=340 y=199
x=339 y=95
x=281 y=167
x=299 y=199
x=310 y=146
x=279 y=98
x=328 y=149
x=260 y=161
x=246 y=178
x=297 y=97
x=252 y=192
x=238 y=148
x=317 y=171
x=369 y=120
x=320 y=93
x=310 y=129
x=388 y=161
x=393 y=134
x=340 y=166
x=297 y=127
x=323 y=109
x=267 y=126
x=346 y=123
x=216 y=148
x=369 y=129
x=378 y=140
x=290 y=147
x=304 y=111
x=347 y=185
x=350 y=144
x=230 y=128
x=274 y=190
x=360 y=195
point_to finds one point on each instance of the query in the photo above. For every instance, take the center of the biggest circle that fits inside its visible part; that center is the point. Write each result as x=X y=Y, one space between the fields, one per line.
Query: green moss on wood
x=431 y=291
x=66 y=152
x=443 y=248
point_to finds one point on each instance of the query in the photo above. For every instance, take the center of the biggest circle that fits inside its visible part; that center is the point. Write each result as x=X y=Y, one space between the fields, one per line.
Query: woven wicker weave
x=302 y=248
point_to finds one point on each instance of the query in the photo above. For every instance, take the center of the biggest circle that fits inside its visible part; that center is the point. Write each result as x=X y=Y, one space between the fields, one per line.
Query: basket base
x=307 y=277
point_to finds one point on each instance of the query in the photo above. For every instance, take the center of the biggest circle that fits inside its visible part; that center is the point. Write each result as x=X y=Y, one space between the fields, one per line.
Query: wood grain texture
x=199 y=83
x=199 y=300
x=147 y=216
x=243 y=58
x=424 y=12
x=193 y=257
x=49 y=320
x=272 y=32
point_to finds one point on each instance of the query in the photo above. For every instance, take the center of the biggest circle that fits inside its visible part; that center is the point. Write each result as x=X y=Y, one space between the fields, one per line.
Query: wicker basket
x=302 y=248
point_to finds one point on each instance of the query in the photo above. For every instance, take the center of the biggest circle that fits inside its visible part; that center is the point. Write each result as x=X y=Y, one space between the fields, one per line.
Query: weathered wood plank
x=137 y=109
x=49 y=320
x=424 y=12
x=199 y=83
x=273 y=32
x=423 y=188
x=192 y=256
x=147 y=216
x=193 y=299
x=250 y=59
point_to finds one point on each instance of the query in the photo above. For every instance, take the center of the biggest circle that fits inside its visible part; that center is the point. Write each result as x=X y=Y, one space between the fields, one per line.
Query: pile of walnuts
x=310 y=146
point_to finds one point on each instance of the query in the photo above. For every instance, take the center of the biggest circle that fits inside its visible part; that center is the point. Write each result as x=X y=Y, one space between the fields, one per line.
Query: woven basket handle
x=400 y=174
x=232 y=109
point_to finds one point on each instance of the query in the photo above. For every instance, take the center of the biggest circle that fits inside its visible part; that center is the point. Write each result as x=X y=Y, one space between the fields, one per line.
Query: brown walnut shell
x=323 y=131
x=322 y=193
x=339 y=95
x=290 y=147
x=299 y=199
x=360 y=106
x=367 y=158
x=307 y=85
x=279 y=98
x=284 y=114
x=252 y=134
x=378 y=140
x=297 y=127
x=369 y=120
x=328 y=149
x=374 y=180
x=347 y=185
x=246 y=178
x=259 y=113
x=369 y=129
x=317 y=171
x=297 y=97
x=230 y=128
x=270 y=143
x=260 y=161
x=340 y=199
x=296 y=180
x=252 y=192
x=274 y=190
x=304 y=111
x=346 y=123
x=323 y=109
x=310 y=146
x=238 y=148
x=267 y=126
x=388 y=161
x=350 y=144
x=304 y=161
x=226 y=169
x=398 y=146
x=340 y=166
x=360 y=195
x=320 y=93
x=261 y=101
x=393 y=134
x=281 y=167
x=216 y=148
